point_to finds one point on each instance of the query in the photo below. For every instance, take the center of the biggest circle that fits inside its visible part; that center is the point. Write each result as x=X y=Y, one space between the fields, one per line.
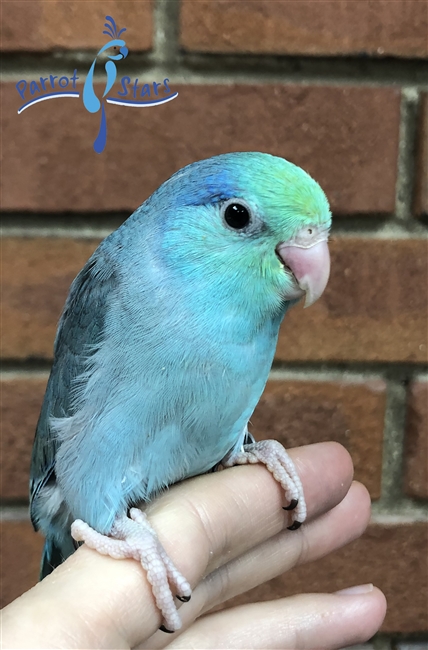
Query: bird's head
x=115 y=50
x=249 y=227
x=116 y=43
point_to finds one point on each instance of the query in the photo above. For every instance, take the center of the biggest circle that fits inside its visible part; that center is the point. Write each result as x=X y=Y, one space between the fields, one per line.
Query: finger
x=241 y=507
x=246 y=507
x=305 y=622
x=334 y=529
x=202 y=523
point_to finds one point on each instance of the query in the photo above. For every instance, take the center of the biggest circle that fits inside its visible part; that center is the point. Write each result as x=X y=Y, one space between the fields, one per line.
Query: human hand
x=226 y=532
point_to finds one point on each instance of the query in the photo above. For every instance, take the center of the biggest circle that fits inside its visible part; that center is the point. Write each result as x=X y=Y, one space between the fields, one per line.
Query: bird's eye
x=237 y=215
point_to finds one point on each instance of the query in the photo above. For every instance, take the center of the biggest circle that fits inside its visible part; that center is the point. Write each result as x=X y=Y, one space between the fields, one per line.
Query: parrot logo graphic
x=132 y=94
x=90 y=100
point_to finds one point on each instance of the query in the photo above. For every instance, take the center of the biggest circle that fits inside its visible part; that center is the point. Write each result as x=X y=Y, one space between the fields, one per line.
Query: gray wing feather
x=81 y=326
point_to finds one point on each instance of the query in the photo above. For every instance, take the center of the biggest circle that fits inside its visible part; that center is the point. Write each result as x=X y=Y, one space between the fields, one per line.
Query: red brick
x=416 y=449
x=43 y=25
x=421 y=197
x=374 y=308
x=378 y=28
x=20 y=408
x=303 y=412
x=346 y=137
x=393 y=558
x=36 y=279
x=21 y=550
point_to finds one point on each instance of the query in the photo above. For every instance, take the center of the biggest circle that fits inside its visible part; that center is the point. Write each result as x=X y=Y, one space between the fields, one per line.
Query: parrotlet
x=163 y=350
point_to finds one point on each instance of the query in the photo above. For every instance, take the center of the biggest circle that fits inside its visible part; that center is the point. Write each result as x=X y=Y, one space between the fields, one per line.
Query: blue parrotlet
x=163 y=350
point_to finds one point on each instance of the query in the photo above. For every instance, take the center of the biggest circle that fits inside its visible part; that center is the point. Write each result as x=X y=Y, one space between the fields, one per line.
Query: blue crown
x=112 y=29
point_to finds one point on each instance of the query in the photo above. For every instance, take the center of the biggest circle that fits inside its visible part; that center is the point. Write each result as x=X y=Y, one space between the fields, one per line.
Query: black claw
x=184 y=599
x=164 y=629
x=295 y=525
x=293 y=504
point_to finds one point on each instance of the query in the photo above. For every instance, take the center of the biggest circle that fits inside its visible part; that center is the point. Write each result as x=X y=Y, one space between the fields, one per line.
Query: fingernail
x=358 y=589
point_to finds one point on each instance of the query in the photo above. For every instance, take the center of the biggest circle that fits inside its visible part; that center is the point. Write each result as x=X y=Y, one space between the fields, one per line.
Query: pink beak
x=310 y=266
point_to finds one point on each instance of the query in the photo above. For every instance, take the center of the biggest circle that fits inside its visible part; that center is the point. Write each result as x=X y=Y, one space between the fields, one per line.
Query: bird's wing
x=80 y=330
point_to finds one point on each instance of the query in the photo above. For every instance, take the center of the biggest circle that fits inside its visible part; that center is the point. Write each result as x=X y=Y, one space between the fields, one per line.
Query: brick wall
x=335 y=86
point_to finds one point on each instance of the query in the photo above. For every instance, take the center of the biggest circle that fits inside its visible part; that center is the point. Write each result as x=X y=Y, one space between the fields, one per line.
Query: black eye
x=237 y=216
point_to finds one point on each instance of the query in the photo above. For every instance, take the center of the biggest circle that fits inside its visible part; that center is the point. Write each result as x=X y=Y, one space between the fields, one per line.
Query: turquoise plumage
x=165 y=345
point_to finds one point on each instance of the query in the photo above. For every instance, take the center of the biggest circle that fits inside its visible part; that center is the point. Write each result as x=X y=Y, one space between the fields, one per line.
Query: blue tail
x=101 y=139
x=55 y=554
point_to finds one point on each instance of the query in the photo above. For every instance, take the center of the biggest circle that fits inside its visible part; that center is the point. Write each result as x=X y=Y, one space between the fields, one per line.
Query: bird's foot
x=133 y=537
x=272 y=454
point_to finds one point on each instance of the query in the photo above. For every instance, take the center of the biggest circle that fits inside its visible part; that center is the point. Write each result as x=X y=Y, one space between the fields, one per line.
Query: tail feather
x=54 y=554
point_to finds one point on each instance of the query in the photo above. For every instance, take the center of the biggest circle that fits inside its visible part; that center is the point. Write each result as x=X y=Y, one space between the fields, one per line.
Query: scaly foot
x=272 y=454
x=134 y=538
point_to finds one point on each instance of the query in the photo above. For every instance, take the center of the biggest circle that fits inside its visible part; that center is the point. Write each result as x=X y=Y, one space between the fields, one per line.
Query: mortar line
x=408 y=641
x=408 y=512
x=316 y=71
x=314 y=373
x=205 y=68
x=380 y=641
x=325 y=374
x=406 y=153
x=357 y=371
x=80 y=226
x=393 y=446
x=23 y=374
x=166 y=34
x=14 y=512
x=58 y=232
x=349 y=371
